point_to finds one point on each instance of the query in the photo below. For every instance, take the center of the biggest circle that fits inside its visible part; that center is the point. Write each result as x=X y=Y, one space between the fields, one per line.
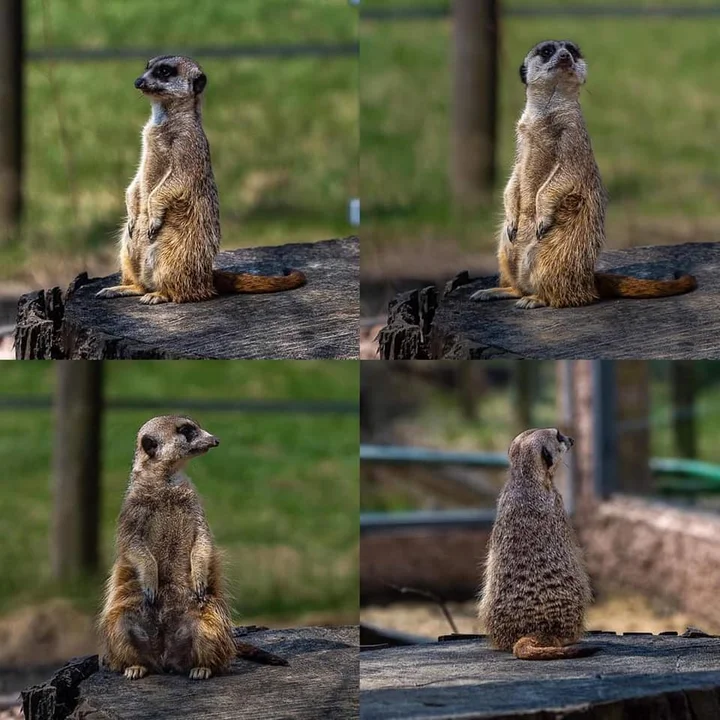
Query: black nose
x=140 y=83
x=215 y=442
x=564 y=56
x=571 y=441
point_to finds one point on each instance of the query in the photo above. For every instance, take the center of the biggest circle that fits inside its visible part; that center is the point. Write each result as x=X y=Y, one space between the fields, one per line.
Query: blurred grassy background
x=280 y=493
x=651 y=116
x=283 y=131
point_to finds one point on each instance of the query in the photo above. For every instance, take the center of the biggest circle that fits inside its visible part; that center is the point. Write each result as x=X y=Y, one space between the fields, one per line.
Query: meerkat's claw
x=200 y=673
x=149 y=595
x=511 y=230
x=135 y=672
x=494 y=294
x=154 y=228
x=529 y=302
x=542 y=227
x=119 y=291
x=200 y=590
x=130 y=227
x=154 y=298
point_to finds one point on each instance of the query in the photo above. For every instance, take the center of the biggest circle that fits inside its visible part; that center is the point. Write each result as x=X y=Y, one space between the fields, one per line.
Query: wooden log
x=426 y=324
x=319 y=320
x=320 y=681
x=632 y=676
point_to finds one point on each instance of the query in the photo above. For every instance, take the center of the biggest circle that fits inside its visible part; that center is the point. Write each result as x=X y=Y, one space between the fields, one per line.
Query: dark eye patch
x=546 y=51
x=559 y=436
x=189 y=431
x=574 y=50
x=164 y=72
x=546 y=456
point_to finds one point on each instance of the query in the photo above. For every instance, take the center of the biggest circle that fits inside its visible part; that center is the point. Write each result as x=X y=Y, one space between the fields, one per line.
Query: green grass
x=281 y=491
x=651 y=118
x=283 y=132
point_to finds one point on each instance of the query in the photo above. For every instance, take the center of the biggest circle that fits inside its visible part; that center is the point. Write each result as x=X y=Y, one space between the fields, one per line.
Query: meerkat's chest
x=538 y=158
x=156 y=161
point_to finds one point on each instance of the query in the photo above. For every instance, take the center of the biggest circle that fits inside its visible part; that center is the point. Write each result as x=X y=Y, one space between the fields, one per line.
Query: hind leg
x=202 y=645
x=131 y=641
x=130 y=284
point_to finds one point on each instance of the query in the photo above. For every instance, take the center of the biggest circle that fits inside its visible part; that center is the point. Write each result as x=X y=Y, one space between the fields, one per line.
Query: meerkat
x=536 y=588
x=555 y=201
x=172 y=233
x=165 y=606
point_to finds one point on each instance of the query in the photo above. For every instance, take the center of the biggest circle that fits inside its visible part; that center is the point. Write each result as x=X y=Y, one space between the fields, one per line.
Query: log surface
x=631 y=677
x=318 y=320
x=428 y=324
x=320 y=681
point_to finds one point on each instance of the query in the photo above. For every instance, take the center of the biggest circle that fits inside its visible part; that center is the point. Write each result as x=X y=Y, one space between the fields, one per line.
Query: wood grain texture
x=319 y=320
x=427 y=324
x=321 y=681
x=632 y=677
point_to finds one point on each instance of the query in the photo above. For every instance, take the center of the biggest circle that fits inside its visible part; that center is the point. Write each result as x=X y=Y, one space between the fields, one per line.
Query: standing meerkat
x=555 y=201
x=172 y=232
x=165 y=604
x=536 y=588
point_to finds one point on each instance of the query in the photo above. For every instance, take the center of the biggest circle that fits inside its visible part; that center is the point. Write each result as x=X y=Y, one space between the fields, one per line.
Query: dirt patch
x=613 y=614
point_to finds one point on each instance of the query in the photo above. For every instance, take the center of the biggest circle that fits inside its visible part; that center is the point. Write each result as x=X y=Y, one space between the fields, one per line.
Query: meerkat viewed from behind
x=172 y=232
x=536 y=589
x=165 y=604
x=554 y=225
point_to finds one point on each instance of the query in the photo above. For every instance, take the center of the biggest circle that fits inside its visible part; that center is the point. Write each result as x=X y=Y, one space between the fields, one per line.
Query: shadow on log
x=320 y=681
x=632 y=676
x=319 y=320
x=426 y=324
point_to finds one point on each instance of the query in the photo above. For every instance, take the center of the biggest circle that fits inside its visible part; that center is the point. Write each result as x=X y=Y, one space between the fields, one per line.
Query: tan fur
x=536 y=589
x=172 y=232
x=555 y=200
x=165 y=604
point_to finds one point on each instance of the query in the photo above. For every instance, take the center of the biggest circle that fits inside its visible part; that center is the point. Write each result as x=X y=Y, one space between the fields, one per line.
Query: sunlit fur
x=555 y=201
x=165 y=606
x=172 y=233
x=536 y=589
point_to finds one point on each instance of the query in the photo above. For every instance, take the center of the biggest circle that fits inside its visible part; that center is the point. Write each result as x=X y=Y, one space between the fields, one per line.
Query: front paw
x=131 y=226
x=154 y=225
x=542 y=226
x=149 y=595
x=511 y=230
x=200 y=590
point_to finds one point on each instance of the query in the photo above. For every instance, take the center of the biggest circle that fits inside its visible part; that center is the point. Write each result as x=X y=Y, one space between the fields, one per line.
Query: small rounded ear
x=547 y=457
x=149 y=445
x=199 y=83
x=523 y=73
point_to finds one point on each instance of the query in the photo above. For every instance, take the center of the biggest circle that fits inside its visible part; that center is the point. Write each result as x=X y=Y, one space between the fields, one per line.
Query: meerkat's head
x=541 y=450
x=171 y=77
x=167 y=442
x=555 y=64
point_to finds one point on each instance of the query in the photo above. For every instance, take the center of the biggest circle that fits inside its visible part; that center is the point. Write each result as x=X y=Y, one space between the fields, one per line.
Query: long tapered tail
x=255 y=654
x=227 y=283
x=622 y=286
x=528 y=648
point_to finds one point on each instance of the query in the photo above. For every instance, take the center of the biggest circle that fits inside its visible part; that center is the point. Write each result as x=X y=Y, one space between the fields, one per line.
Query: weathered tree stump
x=320 y=681
x=633 y=676
x=319 y=320
x=427 y=324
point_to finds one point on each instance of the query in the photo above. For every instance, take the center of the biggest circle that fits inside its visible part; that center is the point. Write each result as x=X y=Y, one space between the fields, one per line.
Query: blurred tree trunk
x=633 y=417
x=74 y=534
x=475 y=83
x=471 y=384
x=11 y=117
x=683 y=389
x=524 y=386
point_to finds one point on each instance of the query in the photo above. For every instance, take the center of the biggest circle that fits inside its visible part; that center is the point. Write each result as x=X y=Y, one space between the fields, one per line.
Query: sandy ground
x=616 y=614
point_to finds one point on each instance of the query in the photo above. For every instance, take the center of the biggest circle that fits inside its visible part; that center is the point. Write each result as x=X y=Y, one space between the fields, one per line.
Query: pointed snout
x=214 y=442
x=571 y=442
x=140 y=83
